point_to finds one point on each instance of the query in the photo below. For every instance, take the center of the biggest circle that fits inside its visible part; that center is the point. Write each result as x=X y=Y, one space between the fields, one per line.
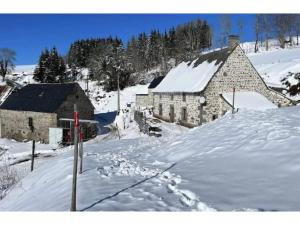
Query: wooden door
x=172 y=114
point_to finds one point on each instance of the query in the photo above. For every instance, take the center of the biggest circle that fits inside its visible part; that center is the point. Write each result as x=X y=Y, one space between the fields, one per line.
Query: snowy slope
x=248 y=161
x=276 y=64
x=107 y=101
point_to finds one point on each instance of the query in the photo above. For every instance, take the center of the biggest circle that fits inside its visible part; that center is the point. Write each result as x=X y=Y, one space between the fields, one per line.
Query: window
x=30 y=124
x=160 y=96
x=214 y=117
x=224 y=74
x=184 y=114
x=172 y=97
x=184 y=97
x=160 y=110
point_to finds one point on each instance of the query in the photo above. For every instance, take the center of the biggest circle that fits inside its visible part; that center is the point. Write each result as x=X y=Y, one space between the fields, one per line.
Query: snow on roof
x=249 y=100
x=193 y=76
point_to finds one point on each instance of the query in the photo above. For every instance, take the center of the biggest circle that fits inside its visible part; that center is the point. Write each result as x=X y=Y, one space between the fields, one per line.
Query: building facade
x=28 y=113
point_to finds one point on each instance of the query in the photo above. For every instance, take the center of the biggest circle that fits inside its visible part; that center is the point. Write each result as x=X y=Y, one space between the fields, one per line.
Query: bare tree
x=225 y=28
x=283 y=23
x=257 y=30
x=296 y=26
x=240 y=25
x=7 y=61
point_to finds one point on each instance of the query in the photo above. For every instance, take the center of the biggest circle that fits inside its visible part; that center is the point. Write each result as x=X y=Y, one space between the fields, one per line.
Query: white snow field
x=276 y=64
x=246 y=161
x=248 y=100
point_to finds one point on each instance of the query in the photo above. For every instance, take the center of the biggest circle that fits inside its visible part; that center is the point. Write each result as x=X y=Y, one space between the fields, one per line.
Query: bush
x=8 y=176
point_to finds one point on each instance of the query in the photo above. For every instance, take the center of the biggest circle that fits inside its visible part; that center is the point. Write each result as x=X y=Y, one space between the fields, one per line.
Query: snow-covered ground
x=107 y=101
x=276 y=64
x=246 y=161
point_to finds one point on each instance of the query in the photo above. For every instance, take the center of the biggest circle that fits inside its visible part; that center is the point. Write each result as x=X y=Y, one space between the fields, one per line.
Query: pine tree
x=51 y=67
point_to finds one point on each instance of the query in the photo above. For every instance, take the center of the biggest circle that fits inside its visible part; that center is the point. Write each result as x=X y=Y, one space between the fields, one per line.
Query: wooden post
x=32 y=154
x=233 y=97
x=74 y=182
x=80 y=149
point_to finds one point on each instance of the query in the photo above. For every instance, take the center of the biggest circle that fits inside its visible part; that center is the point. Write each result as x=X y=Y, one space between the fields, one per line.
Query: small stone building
x=146 y=99
x=202 y=90
x=29 y=112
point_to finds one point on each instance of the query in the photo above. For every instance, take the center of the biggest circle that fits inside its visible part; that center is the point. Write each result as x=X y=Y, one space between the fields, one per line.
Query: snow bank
x=249 y=100
x=187 y=78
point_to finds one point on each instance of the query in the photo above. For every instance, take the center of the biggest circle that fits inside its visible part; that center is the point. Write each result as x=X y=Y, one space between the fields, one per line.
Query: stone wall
x=14 y=125
x=239 y=73
x=191 y=104
x=142 y=100
x=236 y=72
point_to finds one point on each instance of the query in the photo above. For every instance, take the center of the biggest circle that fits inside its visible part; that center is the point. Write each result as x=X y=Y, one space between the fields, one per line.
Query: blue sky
x=29 y=34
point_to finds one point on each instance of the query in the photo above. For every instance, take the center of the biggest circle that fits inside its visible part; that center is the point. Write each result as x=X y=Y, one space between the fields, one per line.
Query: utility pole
x=118 y=93
x=80 y=149
x=74 y=182
x=233 y=97
x=87 y=86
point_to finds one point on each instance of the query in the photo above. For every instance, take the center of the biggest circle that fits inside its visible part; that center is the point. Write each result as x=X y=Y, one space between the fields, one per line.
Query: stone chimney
x=233 y=41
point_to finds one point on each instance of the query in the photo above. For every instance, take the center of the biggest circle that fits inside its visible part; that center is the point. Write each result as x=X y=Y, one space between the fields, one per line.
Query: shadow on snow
x=104 y=120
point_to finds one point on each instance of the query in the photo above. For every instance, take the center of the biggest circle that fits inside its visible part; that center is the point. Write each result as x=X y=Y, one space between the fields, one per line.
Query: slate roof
x=156 y=81
x=38 y=97
x=193 y=76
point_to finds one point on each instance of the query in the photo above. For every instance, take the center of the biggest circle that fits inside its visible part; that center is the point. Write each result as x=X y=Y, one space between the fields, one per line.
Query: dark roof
x=38 y=97
x=219 y=56
x=156 y=81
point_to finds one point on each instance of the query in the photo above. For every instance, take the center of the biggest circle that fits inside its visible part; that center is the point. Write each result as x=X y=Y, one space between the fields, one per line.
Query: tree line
x=283 y=27
x=108 y=59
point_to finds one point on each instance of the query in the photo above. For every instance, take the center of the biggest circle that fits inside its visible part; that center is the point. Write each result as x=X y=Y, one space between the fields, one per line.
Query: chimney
x=233 y=41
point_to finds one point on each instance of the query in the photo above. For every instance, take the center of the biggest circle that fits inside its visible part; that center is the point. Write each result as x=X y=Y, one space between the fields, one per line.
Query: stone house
x=202 y=90
x=29 y=112
x=146 y=99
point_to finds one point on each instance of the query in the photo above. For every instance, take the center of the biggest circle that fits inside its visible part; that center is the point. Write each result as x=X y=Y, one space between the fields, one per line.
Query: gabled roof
x=193 y=76
x=156 y=81
x=39 y=97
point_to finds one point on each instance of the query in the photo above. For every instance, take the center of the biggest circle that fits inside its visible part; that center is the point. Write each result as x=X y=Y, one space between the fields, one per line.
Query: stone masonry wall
x=239 y=73
x=14 y=124
x=142 y=100
x=191 y=105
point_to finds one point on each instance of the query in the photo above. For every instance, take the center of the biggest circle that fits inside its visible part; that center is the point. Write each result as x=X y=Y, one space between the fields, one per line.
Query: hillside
x=254 y=167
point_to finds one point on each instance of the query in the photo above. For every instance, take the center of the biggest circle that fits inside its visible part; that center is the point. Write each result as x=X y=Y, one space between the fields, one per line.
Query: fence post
x=32 y=154
x=233 y=97
x=74 y=182
x=80 y=149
